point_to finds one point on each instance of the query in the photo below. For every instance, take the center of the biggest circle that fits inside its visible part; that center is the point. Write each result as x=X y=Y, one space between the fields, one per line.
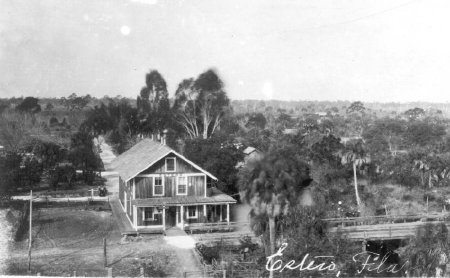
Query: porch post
x=182 y=217
x=228 y=214
x=206 y=186
x=220 y=212
x=135 y=216
x=204 y=213
x=164 y=218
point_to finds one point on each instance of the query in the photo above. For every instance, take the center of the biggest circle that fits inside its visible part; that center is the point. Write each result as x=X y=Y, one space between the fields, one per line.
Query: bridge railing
x=385 y=219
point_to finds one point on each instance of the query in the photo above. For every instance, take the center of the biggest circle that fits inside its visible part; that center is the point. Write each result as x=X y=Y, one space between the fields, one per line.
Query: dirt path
x=183 y=246
x=107 y=155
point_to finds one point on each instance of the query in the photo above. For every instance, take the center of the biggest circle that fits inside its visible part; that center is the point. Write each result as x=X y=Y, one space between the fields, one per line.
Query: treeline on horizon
x=251 y=105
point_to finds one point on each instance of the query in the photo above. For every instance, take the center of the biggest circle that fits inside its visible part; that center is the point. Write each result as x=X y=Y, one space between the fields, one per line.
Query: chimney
x=164 y=137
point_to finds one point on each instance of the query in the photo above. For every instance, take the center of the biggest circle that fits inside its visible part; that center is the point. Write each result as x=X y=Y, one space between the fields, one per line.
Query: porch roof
x=217 y=197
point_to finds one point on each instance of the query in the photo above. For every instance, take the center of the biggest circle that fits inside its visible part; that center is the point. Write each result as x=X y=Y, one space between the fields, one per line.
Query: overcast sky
x=290 y=50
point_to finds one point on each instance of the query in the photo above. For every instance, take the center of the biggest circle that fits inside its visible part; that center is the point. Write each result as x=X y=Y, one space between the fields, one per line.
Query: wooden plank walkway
x=385 y=227
x=121 y=218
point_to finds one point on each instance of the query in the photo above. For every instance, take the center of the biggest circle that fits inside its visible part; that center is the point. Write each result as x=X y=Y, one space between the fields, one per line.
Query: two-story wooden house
x=159 y=188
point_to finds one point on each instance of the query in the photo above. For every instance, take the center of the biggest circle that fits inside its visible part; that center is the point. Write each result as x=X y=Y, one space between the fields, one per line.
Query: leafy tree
x=16 y=128
x=9 y=172
x=74 y=102
x=423 y=133
x=153 y=103
x=98 y=121
x=218 y=157
x=256 y=120
x=3 y=106
x=310 y=124
x=83 y=156
x=272 y=186
x=356 y=106
x=49 y=106
x=47 y=152
x=53 y=122
x=201 y=104
x=29 y=105
x=385 y=134
x=326 y=149
x=30 y=171
x=230 y=126
x=415 y=113
x=64 y=172
x=284 y=120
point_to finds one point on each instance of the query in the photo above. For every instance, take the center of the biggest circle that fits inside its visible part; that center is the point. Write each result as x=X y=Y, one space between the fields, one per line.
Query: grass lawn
x=69 y=239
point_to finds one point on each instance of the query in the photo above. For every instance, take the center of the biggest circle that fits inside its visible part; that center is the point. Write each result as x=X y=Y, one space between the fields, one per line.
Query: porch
x=185 y=217
x=182 y=211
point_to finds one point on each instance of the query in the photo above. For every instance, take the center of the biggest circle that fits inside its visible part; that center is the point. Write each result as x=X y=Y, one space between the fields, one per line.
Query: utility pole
x=30 y=236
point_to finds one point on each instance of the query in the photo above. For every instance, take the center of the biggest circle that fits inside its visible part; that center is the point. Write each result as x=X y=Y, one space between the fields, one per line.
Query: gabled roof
x=143 y=155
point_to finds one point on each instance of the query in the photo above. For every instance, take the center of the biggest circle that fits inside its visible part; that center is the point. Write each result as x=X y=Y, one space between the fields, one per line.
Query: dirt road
x=107 y=155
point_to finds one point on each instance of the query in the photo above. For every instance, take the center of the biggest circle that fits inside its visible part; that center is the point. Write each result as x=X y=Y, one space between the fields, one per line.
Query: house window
x=170 y=164
x=147 y=214
x=181 y=187
x=151 y=214
x=192 y=212
x=158 y=187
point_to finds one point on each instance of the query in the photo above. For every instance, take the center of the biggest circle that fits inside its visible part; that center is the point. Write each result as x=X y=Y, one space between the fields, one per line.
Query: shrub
x=53 y=121
x=208 y=253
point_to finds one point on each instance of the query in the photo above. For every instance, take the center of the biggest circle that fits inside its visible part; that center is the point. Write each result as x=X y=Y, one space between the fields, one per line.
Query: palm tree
x=271 y=186
x=358 y=158
x=433 y=168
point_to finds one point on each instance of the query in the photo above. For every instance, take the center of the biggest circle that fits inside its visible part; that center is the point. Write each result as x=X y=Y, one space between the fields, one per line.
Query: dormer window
x=170 y=164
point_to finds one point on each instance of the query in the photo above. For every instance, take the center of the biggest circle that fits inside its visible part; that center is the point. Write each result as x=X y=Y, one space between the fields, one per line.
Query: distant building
x=250 y=154
x=321 y=114
x=346 y=140
x=398 y=152
x=291 y=131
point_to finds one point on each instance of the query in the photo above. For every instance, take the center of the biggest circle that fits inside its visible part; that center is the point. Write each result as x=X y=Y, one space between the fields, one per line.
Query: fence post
x=224 y=273
x=38 y=274
x=110 y=272
x=142 y=273
x=104 y=252
x=74 y=273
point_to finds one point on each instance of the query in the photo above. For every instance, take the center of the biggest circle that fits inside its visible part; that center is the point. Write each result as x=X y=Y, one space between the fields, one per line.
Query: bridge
x=385 y=227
